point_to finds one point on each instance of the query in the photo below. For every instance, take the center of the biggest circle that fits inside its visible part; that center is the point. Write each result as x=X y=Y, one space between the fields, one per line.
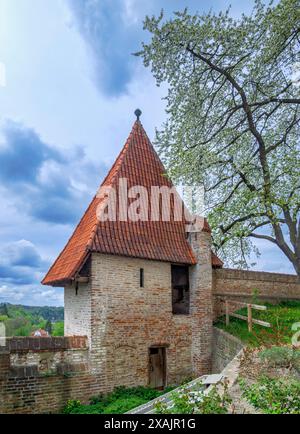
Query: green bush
x=273 y=396
x=278 y=356
x=281 y=357
x=187 y=401
x=119 y=401
x=122 y=405
x=71 y=405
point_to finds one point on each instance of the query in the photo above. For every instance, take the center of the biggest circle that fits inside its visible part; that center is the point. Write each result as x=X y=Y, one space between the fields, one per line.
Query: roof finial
x=138 y=113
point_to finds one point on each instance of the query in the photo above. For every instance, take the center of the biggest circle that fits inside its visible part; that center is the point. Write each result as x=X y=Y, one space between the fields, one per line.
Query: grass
x=282 y=316
x=119 y=401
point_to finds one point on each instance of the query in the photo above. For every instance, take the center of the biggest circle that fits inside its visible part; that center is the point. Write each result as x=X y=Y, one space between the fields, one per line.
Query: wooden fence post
x=249 y=308
x=227 y=311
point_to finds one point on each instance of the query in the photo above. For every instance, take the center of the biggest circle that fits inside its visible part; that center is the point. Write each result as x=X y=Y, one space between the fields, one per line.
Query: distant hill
x=48 y=313
x=22 y=320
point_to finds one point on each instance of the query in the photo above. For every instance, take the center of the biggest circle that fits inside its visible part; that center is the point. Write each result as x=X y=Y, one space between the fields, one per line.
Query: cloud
x=32 y=295
x=23 y=254
x=23 y=155
x=45 y=183
x=271 y=259
x=20 y=263
x=113 y=30
x=21 y=269
x=110 y=39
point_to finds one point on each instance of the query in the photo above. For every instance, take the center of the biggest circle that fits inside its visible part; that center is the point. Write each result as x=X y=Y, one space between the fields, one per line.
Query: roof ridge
x=120 y=156
x=118 y=161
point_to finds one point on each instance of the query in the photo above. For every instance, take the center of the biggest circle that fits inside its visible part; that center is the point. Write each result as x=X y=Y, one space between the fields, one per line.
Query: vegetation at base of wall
x=273 y=396
x=282 y=317
x=187 y=401
x=119 y=401
x=23 y=320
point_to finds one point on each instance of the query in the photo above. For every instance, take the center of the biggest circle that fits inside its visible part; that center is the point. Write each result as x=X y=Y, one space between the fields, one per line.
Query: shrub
x=123 y=405
x=71 y=405
x=281 y=356
x=277 y=356
x=196 y=402
x=273 y=396
x=119 y=401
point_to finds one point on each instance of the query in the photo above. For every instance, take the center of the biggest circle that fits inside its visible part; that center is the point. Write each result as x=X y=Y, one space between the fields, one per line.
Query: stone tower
x=141 y=290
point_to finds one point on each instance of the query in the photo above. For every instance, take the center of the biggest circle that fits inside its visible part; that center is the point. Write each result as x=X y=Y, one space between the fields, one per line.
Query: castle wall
x=39 y=375
x=242 y=285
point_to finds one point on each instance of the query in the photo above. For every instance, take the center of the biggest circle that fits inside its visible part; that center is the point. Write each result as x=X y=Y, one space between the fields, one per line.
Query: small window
x=141 y=277
x=180 y=290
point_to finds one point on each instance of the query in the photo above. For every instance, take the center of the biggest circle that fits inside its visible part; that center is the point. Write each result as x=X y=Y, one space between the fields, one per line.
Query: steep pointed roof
x=158 y=240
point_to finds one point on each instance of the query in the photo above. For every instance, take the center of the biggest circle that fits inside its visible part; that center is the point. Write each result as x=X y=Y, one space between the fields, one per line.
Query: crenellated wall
x=39 y=375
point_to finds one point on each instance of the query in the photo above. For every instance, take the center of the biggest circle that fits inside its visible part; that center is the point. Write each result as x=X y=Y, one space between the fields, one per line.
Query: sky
x=69 y=86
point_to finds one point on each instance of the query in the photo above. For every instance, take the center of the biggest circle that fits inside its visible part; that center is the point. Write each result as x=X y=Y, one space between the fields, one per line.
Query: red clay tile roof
x=157 y=240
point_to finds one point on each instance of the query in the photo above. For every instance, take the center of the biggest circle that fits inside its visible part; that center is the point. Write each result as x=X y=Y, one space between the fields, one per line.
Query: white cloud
x=31 y=295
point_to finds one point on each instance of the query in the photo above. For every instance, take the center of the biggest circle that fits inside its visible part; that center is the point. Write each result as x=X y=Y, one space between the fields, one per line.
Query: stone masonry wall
x=39 y=375
x=241 y=284
x=225 y=348
x=127 y=320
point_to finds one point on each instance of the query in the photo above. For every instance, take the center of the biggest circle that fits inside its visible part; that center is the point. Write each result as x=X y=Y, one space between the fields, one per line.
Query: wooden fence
x=249 y=318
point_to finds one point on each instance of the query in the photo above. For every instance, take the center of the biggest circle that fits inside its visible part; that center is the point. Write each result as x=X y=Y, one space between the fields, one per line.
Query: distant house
x=40 y=333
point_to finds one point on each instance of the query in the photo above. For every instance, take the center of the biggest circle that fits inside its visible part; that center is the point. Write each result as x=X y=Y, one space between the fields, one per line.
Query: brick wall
x=225 y=348
x=201 y=303
x=127 y=320
x=240 y=285
x=39 y=375
x=48 y=355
